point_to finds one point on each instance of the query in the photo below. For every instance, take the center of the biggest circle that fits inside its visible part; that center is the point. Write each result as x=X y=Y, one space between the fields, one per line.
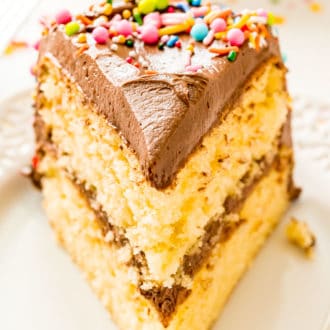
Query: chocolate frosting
x=164 y=115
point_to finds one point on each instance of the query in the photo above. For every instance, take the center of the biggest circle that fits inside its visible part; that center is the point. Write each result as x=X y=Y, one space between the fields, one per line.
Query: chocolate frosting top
x=161 y=110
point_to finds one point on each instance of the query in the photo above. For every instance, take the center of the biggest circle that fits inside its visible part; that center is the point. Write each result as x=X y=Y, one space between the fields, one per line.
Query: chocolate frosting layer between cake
x=164 y=115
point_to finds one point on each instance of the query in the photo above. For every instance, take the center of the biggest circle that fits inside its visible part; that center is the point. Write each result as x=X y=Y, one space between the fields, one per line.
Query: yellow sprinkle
x=81 y=38
x=220 y=35
x=190 y=48
x=126 y=14
x=107 y=9
x=315 y=7
x=279 y=20
x=241 y=22
x=176 y=28
x=121 y=39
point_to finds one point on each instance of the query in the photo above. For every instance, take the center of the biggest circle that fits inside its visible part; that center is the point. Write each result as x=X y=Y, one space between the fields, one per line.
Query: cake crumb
x=299 y=233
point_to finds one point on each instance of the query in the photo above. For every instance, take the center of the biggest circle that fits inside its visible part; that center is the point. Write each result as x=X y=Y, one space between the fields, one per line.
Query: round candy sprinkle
x=124 y=27
x=72 y=28
x=170 y=9
x=100 y=35
x=129 y=60
x=161 y=46
x=199 y=31
x=109 y=1
x=154 y=19
x=172 y=41
x=162 y=4
x=82 y=38
x=149 y=34
x=218 y=25
x=129 y=43
x=232 y=56
x=196 y=3
x=121 y=39
x=126 y=14
x=235 y=37
x=63 y=17
x=147 y=6
x=107 y=9
x=178 y=44
x=114 y=47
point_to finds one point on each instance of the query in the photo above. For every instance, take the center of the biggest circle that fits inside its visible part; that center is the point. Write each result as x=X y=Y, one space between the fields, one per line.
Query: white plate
x=40 y=288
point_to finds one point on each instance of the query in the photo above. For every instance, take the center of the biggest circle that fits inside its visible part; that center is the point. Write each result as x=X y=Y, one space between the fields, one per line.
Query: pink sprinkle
x=170 y=9
x=164 y=39
x=262 y=12
x=124 y=27
x=100 y=35
x=235 y=37
x=209 y=38
x=193 y=68
x=63 y=17
x=154 y=19
x=173 y=19
x=149 y=34
x=199 y=11
x=218 y=25
x=36 y=45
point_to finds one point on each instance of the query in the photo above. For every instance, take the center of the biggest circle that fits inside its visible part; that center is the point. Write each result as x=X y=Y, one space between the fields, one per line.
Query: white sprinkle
x=114 y=47
x=115 y=39
x=132 y=53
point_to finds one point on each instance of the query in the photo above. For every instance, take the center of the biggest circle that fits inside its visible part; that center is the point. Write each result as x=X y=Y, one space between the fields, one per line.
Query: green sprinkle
x=137 y=16
x=271 y=19
x=109 y=1
x=147 y=6
x=232 y=56
x=129 y=43
x=72 y=28
x=161 y=46
x=162 y=4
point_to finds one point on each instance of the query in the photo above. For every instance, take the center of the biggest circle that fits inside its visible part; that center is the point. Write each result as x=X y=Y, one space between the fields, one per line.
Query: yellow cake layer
x=164 y=224
x=107 y=269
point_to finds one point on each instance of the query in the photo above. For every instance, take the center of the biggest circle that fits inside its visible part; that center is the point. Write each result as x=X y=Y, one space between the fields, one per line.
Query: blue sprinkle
x=196 y=3
x=171 y=42
x=199 y=31
x=183 y=6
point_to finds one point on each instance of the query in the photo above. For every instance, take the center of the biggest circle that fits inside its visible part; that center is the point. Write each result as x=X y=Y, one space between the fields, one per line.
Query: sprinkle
x=217 y=14
x=193 y=68
x=171 y=42
x=154 y=19
x=235 y=37
x=121 y=39
x=161 y=46
x=129 y=60
x=262 y=13
x=178 y=44
x=72 y=28
x=183 y=6
x=209 y=38
x=242 y=21
x=232 y=56
x=109 y=1
x=196 y=3
x=271 y=19
x=170 y=9
x=223 y=51
x=63 y=17
x=82 y=49
x=137 y=16
x=199 y=31
x=149 y=34
x=124 y=27
x=85 y=20
x=127 y=14
x=100 y=35
x=35 y=161
x=173 y=19
x=176 y=28
x=218 y=25
x=162 y=4
x=107 y=9
x=15 y=45
x=36 y=45
x=190 y=48
x=199 y=11
x=149 y=72
x=164 y=38
x=81 y=38
x=147 y=6
x=114 y=47
x=132 y=53
x=137 y=64
x=129 y=43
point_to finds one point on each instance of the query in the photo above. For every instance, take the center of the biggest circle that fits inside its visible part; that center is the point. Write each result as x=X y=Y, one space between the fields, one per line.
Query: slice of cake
x=163 y=149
